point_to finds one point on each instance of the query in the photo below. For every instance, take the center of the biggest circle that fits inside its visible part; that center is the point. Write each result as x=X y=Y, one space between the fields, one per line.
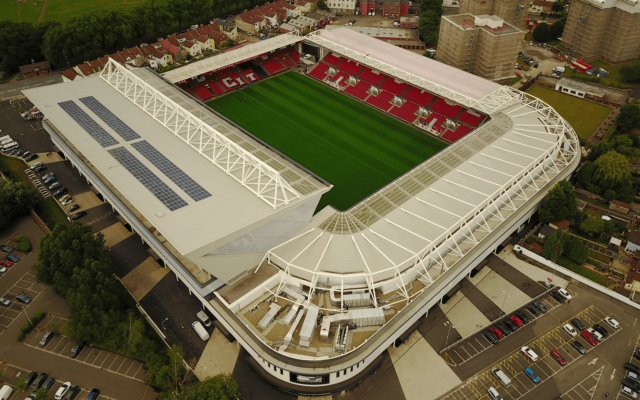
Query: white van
x=493 y=393
x=197 y=326
x=5 y=138
x=5 y=392
x=502 y=377
x=9 y=145
x=202 y=316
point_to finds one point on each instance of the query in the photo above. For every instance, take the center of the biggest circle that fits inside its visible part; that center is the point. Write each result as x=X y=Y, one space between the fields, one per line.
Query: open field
x=582 y=115
x=355 y=148
x=22 y=12
x=63 y=10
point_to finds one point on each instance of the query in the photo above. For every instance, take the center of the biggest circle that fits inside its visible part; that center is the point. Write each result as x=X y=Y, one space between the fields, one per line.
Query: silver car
x=5 y=302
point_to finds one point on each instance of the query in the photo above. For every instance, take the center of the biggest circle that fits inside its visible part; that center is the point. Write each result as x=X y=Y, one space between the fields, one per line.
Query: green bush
x=23 y=244
x=20 y=337
x=26 y=328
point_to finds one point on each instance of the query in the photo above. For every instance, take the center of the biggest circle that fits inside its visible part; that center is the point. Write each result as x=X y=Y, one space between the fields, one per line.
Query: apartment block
x=513 y=12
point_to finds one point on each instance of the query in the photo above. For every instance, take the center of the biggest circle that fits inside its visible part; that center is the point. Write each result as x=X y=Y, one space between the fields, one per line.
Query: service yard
x=581 y=377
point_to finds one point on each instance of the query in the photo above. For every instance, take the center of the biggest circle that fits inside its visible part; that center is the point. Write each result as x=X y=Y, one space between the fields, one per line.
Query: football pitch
x=353 y=147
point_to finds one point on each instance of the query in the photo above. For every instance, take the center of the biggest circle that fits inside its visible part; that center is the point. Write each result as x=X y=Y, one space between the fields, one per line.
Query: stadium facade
x=234 y=219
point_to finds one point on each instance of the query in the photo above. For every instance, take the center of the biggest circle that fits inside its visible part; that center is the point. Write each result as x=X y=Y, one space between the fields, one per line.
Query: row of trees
x=560 y=203
x=16 y=199
x=631 y=73
x=89 y=36
x=429 y=25
x=561 y=243
x=544 y=33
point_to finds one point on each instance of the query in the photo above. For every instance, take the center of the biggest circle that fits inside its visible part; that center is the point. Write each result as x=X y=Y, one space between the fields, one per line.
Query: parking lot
x=13 y=373
x=477 y=344
x=546 y=367
x=95 y=357
x=26 y=285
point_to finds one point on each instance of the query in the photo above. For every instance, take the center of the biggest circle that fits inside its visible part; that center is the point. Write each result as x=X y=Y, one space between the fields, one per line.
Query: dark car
x=493 y=339
x=35 y=385
x=30 y=378
x=636 y=355
x=72 y=393
x=48 y=383
x=46 y=338
x=632 y=368
x=31 y=157
x=76 y=350
x=523 y=316
x=505 y=329
x=78 y=215
x=534 y=310
x=511 y=325
x=60 y=192
x=558 y=297
x=635 y=386
x=93 y=395
x=579 y=347
x=23 y=299
x=40 y=168
x=600 y=329
x=579 y=326
x=74 y=207
x=6 y=248
x=540 y=306
x=13 y=258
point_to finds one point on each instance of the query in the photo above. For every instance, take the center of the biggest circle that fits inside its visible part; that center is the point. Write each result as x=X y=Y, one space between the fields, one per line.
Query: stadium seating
x=225 y=73
x=442 y=108
x=203 y=92
x=320 y=71
x=359 y=90
x=273 y=66
x=406 y=112
x=333 y=60
x=295 y=56
x=337 y=77
x=278 y=54
x=350 y=67
x=470 y=119
x=232 y=82
x=390 y=85
x=250 y=75
x=419 y=97
x=213 y=85
x=368 y=76
x=437 y=126
x=459 y=133
x=381 y=100
x=191 y=93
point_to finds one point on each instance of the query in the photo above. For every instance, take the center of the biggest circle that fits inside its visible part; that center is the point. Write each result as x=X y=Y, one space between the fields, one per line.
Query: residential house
x=249 y=24
x=545 y=231
x=192 y=48
x=342 y=6
x=311 y=4
x=172 y=46
x=70 y=75
x=324 y=17
x=286 y=28
x=540 y=6
x=367 y=7
x=619 y=206
x=35 y=69
x=227 y=28
x=156 y=57
x=295 y=11
x=633 y=242
x=85 y=70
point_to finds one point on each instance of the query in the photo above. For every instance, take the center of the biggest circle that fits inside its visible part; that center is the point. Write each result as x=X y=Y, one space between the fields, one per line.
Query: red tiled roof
x=103 y=60
x=200 y=38
x=170 y=47
x=188 y=44
x=85 y=69
x=218 y=37
x=135 y=51
x=96 y=64
x=620 y=204
x=116 y=57
x=542 y=3
x=564 y=224
x=42 y=66
x=126 y=55
x=174 y=41
x=70 y=74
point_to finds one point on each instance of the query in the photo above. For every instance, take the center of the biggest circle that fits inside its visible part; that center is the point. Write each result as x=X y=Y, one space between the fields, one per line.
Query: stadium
x=317 y=214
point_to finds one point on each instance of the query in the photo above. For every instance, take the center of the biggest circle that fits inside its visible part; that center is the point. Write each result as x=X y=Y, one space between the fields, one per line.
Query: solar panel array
x=172 y=171
x=88 y=124
x=109 y=118
x=150 y=180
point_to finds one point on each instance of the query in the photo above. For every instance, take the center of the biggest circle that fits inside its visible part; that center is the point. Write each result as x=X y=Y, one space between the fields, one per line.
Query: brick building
x=513 y=12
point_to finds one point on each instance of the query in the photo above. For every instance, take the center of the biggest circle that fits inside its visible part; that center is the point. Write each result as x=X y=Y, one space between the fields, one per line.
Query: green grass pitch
x=355 y=148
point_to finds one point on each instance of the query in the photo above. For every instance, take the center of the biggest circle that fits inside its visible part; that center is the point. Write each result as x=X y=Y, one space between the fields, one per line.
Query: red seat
x=203 y=92
x=319 y=71
x=273 y=66
x=250 y=75
x=333 y=60
x=369 y=76
x=448 y=110
x=359 y=90
x=390 y=85
x=213 y=85
x=470 y=119
x=419 y=96
x=339 y=75
x=350 y=67
x=381 y=100
x=406 y=112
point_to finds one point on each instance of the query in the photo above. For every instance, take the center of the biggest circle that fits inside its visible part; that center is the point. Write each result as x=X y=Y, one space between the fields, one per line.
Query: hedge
x=28 y=327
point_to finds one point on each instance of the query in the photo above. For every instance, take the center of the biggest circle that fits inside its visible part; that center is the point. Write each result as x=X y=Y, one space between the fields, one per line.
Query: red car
x=6 y=263
x=517 y=321
x=498 y=332
x=589 y=338
x=517 y=73
x=558 y=357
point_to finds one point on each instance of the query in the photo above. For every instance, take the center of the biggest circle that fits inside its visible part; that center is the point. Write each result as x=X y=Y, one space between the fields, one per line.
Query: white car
x=627 y=391
x=4 y=302
x=612 y=323
x=3 y=270
x=569 y=329
x=530 y=354
x=62 y=390
x=67 y=201
x=596 y=334
x=565 y=294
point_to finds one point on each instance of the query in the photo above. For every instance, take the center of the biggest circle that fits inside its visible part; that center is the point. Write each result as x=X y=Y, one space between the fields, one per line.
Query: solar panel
x=173 y=172
x=150 y=180
x=88 y=124
x=109 y=118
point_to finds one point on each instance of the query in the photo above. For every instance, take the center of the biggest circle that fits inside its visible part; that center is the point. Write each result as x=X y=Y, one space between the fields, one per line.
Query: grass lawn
x=582 y=115
x=614 y=78
x=355 y=148
x=47 y=209
x=63 y=10
x=570 y=265
x=21 y=12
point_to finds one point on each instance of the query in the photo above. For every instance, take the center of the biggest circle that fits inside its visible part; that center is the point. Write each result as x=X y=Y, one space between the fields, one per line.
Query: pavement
x=14 y=88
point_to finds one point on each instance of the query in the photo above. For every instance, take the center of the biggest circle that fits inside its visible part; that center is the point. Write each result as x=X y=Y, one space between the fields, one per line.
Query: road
x=15 y=88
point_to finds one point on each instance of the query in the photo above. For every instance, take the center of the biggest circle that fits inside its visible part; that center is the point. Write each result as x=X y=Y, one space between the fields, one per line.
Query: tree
x=625 y=192
x=42 y=394
x=542 y=32
x=219 y=387
x=21 y=384
x=543 y=15
x=557 y=6
x=321 y=5
x=554 y=244
x=610 y=170
x=609 y=227
x=429 y=27
x=629 y=117
x=16 y=199
x=584 y=175
x=592 y=226
x=22 y=43
x=560 y=203
x=609 y=195
x=630 y=73
x=576 y=250
x=555 y=31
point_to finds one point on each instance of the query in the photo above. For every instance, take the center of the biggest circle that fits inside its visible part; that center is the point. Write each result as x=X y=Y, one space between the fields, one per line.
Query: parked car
x=579 y=347
x=595 y=334
x=47 y=176
x=78 y=215
x=35 y=385
x=558 y=357
x=632 y=368
x=76 y=350
x=93 y=395
x=55 y=185
x=523 y=316
x=517 y=321
x=534 y=310
x=505 y=329
x=540 y=306
x=569 y=329
x=530 y=354
x=558 y=297
x=13 y=258
x=49 y=179
x=510 y=325
x=74 y=207
x=23 y=299
x=636 y=355
x=627 y=391
x=5 y=302
x=30 y=378
x=493 y=339
x=497 y=332
x=6 y=262
x=564 y=293
x=576 y=322
x=48 y=383
x=531 y=375
x=72 y=393
x=635 y=386
x=65 y=197
x=40 y=168
x=46 y=338
x=31 y=157
x=612 y=323
x=6 y=248
x=60 y=192
x=67 y=202
x=633 y=376
x=3 y=270
x=589 y=338
x=600 y=329
x=62 y=390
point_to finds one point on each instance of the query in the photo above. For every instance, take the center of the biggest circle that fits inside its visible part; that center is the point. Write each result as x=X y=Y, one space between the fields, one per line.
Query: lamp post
x=165 y=329
x=504 y=301
x=448 y=331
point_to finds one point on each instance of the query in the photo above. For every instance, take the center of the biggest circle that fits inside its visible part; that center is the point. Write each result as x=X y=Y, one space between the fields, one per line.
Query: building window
x=281 y=371
x=338 y=374
x=351 y=369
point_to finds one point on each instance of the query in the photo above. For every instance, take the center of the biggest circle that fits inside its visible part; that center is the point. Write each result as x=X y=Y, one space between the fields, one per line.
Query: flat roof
x=461 y=82
x=582 y=86
x=230 y=208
